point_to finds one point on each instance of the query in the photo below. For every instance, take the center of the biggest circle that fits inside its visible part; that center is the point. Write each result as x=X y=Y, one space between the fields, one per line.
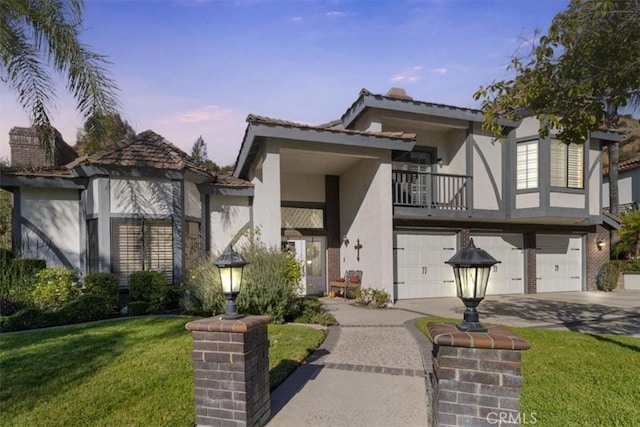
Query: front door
x=310 y=253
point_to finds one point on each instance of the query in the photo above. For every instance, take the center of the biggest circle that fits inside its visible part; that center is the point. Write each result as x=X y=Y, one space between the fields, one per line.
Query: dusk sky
x=195 y=67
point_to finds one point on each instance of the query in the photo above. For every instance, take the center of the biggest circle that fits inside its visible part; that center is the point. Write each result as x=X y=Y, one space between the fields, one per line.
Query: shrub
x=6 y=308
x=55 y=286
x=174 y=295
x=376 y=298
x=105 y=284
x=137 y=308
x=268 y=286
x=312 y=311
x=608 y=276
x=18 y=278
x=85 y=308
x=27 y=318
x=149 y=286
x=202 y=293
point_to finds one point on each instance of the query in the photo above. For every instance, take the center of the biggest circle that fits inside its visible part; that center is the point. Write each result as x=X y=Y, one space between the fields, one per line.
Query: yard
x=129 y=372
x=578 y=379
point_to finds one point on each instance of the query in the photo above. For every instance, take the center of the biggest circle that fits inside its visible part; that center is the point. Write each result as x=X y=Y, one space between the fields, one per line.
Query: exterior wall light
x=601 y=244
x=471 y=268
x=345 y=240
x=231 y=265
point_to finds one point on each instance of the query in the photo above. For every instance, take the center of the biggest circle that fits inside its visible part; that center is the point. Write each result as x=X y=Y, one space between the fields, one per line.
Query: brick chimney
x=26 y=150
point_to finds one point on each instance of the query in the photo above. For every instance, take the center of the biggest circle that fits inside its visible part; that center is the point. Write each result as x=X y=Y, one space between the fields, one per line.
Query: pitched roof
x=399 y=98
x=226 y=179
x=252 y=118
x=626 y=165
x=147 y=149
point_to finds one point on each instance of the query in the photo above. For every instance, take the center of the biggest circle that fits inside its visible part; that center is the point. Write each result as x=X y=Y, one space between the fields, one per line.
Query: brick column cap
x=217 y=324
x=497 y=337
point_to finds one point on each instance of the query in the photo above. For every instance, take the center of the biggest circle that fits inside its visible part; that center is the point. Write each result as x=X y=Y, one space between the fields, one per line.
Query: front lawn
x=134 y=372
x=573 y=378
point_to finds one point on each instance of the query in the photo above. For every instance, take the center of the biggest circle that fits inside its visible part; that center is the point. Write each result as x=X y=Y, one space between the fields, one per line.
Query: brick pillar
x=465 y=237
x=596 y=257
x=231 y=367
x=476 y=377
x=530 y=262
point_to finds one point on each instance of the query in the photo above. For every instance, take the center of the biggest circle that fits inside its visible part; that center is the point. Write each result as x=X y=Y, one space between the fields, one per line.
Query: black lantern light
x=471 y=268
x=230 y=264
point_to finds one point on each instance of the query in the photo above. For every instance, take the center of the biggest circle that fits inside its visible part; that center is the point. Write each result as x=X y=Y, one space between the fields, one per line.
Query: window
x=567 y=165
x=302 y=217
x=527 y=165
x=93 y=260
x=142 y=245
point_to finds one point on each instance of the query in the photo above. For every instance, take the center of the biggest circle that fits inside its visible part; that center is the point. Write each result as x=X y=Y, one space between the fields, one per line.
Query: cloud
x=408 y=75
x=335 y=13
x=296 y=19
x=440 y=71
x=202 y=114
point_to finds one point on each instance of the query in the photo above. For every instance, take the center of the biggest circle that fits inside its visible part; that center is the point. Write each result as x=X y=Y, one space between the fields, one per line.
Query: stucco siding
x=141 y=197
x=455 y=155
x=527 y=200
x=366 y=214
x=229 y=215
x=528 y=127
x=266 y=202
x=594 y=166
x=487 y=173
x=50 y=226
x=566 y=200
x=302 y=188
x=625 y=189
x=192 y=200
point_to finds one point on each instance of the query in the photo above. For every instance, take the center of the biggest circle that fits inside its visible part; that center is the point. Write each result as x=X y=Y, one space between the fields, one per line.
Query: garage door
x=508 y=276
x=420 y=267
x=558 y=263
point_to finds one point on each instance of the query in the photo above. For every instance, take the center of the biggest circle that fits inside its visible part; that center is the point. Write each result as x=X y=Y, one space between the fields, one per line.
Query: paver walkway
x=370 y=372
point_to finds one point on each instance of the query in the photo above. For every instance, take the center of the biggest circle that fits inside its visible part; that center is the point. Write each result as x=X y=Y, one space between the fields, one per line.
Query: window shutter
x=575 y=166
x=558 y=164
x=127 y=249
x=527 y=165
x=158 y=247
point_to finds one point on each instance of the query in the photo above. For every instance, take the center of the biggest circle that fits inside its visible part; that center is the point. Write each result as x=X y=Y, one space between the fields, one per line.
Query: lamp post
x=471 y=268
x=231 y=264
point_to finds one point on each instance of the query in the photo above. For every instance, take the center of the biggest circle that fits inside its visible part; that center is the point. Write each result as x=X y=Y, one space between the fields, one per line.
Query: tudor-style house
x=396 y=186
x=393 y=188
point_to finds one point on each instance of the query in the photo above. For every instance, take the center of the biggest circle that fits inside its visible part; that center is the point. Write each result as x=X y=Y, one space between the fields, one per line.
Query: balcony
x=431 y=191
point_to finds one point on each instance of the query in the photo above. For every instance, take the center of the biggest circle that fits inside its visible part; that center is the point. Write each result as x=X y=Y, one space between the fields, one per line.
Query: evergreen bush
x=148 y=286
x=105 y=284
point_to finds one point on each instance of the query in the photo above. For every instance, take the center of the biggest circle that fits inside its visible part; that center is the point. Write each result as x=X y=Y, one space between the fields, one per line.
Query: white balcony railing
x=431 y=190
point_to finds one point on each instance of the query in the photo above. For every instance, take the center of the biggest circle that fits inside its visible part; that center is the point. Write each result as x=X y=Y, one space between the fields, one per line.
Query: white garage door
x=508 y=276
x=558 y=263
x=420 y=267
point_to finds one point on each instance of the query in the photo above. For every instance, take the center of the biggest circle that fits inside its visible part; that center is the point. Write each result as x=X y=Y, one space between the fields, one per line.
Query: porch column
x=103 y=197
x=266 y=202
x=334 y=240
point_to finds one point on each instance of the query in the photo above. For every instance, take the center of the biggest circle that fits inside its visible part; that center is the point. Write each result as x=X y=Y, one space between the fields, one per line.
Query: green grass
x=135 y=372
x=577 y=379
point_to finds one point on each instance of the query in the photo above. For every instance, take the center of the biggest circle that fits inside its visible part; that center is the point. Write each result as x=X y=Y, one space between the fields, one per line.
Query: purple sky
x=195 y=67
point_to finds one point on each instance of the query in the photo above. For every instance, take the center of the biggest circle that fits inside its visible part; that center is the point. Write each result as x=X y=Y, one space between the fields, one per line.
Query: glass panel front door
x=310 y=253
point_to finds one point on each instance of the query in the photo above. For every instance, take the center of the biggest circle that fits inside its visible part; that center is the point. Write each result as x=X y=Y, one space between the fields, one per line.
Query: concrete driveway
x=616 y=312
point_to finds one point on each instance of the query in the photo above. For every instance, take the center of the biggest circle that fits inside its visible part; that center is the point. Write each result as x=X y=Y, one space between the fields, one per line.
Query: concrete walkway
x=370 y=370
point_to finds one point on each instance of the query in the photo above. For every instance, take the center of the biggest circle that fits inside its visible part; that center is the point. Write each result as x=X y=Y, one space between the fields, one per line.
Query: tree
x=37 y=37
x=6 y=208
x=576 y=77
x=115 y=129
x=199 y=151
